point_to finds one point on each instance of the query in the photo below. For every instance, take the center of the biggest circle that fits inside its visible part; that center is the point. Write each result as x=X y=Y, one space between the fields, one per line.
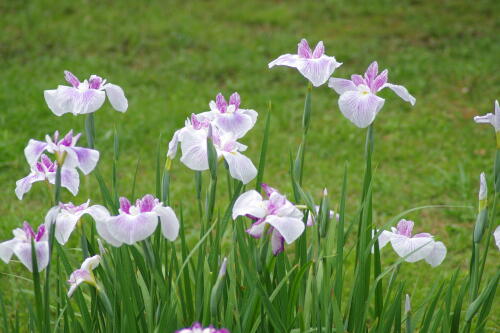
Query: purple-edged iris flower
x=137 y=222
x=413 y=247
x=66 y=216
x=229 y=117
x=315 y=65
x=193 y=140
x=66 y=151
x=197 y=328
x=358 y=100
x=84 y=97
x=84 y=274
x=45 y=169
x=20 y=245
x=284 y=218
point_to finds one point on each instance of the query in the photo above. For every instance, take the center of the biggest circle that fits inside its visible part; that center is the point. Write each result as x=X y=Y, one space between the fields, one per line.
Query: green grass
x=173 y=57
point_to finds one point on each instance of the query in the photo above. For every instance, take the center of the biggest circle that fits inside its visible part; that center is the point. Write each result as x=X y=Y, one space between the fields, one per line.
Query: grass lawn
x=173 y=57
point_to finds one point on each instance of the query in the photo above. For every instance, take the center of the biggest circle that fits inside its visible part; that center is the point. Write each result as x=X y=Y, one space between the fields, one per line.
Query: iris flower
x=197 y=328
x=413 y=247
x=284 y=218
x=67 y=215
x=84 y=97
x=45 y=169
x=358 y=100
x=193 y=140
x=66 y=151
x=20 y=245
x=315 y=65
x=137 y=222
x=84 y=274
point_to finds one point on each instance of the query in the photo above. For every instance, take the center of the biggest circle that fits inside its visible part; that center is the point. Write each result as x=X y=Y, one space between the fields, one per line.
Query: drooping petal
x=401 y=92
x=384 y=238
x=102 y=229
x=130 y=229
x=69 y=179
x=360 y=108
x=257 y=229
x=22 y=251
x=116 y=97
x=98 y=212
x=236 y=123
x=34 y=150
x=277 y=242
x=7 y=249
x=87 y=158
x=55 y=103
x=65 y=223
x=23 y=185
x=416 y=248
x=194 y=149
x=290 y=60
x=173 y=144
x=341 y=85
x=240 y=166
x=169 y=222
x=318 y=71
x=437 y=255
x=249 y=203
x=289 y=228
x=251 y=113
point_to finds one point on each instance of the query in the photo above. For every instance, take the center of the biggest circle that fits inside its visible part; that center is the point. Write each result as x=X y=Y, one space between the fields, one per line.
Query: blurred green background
x=173 y=57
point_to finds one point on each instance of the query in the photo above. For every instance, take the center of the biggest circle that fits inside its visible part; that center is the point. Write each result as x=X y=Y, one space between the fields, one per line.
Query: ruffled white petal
x=91 y=263
x=87 y=158
x=256 y=230
x=240 y=166
x=360 y=108
x=130 y=229
x=22 y=251
x=236 y=123
x=384 y=238
x=414 y=249
x=194 y=149
x=401 y=92
x=76 y=101
x=289 y=228
x=277 y=242
x=169 y=222
x=290 y=60
x=173 y=144
x=249 y=203
x=116 y=97
x=319 y=70
x=102 y=229
x=34 y=150
x=23 y=185
x=69 y=179
x=341 y=85
x=437 y=255
x=7 y=249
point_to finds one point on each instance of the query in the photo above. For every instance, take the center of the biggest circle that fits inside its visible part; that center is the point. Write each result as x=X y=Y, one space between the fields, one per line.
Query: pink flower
x=315 y=65
x=20 y=245
x=84 y=274
x=413 y=247
x=65 y=150
x=284 y=218
x=358 y=101
x=45 y=170
x=84 y=97
x=137 y=222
